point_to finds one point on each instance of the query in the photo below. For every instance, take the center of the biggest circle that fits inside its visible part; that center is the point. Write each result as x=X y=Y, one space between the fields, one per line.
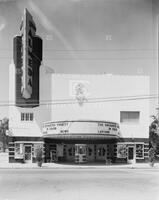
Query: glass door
x=131 y=154
x=28 y=153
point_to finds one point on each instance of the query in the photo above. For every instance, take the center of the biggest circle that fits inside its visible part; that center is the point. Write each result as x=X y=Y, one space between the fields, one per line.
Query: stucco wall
x=106 y=96
x=41 y=113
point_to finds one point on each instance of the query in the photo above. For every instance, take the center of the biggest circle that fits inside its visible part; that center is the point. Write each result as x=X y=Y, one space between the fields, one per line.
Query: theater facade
x=81 y=141
x=77 y=118
x=69 y=130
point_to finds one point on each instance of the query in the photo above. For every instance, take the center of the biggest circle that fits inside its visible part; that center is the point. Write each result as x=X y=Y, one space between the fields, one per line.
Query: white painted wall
x=41 y=113
x=112 y=89
x=58 y=102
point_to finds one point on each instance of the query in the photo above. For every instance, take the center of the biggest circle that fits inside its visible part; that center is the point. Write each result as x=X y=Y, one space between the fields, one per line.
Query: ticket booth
x=80 y=153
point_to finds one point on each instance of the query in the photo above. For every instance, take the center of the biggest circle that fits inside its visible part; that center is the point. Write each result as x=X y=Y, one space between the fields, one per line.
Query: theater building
x=75 y=117
x=81 y=141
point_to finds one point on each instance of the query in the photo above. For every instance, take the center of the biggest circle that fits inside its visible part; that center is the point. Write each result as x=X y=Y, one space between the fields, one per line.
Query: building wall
x=40 y=113
x=106 y=96
x=104 y=101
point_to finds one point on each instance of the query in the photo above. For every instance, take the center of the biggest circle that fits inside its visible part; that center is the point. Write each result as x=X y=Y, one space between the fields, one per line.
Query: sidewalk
x=76 y=166
x=5 y=165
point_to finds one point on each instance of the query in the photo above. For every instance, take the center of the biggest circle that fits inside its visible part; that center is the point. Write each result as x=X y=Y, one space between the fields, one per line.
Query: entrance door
x=28 y=153
x=80 y=153
x=101 y=154
x=130 y=154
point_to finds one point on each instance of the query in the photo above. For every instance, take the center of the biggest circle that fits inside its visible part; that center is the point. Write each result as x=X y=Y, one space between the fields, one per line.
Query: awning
x=81 y=136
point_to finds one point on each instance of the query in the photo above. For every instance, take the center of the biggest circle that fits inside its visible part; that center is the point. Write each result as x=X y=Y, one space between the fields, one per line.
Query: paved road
x=79 y=184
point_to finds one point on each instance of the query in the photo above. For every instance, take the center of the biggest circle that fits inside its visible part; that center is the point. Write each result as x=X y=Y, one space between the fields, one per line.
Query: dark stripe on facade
x=26 y=139
x=142 y=140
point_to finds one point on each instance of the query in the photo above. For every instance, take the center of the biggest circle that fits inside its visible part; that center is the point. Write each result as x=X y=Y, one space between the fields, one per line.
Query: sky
x=85 y=37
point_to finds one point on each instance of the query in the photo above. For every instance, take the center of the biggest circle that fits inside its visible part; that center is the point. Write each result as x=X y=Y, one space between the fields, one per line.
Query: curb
x=81 y=167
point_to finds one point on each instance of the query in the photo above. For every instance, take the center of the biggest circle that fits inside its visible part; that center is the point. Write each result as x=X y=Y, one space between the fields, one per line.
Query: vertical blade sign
x=28 y=31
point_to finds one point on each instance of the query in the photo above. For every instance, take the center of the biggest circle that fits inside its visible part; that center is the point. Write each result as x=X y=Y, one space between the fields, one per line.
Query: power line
x=96 y=98
x=82 y=54
x=90 y=50
x=102 y=58
x=74 y=101
x=137 y=58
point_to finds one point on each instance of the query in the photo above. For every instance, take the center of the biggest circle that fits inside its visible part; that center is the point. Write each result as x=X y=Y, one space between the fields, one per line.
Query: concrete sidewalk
x=5 y=165
x=76 y=166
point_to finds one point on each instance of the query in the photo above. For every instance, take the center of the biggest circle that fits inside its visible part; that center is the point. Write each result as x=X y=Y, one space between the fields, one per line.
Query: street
x=79 y=184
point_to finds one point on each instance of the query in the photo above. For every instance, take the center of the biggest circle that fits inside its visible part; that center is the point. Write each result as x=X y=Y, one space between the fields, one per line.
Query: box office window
x=27 y=117
x=129 y=117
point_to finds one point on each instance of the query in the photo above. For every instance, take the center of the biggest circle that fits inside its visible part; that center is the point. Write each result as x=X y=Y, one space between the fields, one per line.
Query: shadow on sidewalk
x=89 y=164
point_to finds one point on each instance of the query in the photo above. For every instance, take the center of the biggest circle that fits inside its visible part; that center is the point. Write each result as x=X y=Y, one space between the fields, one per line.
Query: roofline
x=101 y=74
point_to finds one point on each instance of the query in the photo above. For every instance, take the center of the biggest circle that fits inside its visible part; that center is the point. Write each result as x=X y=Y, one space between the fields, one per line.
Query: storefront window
x=37 y=146
x=18 y=151
x=121 y=151
x=139 y=151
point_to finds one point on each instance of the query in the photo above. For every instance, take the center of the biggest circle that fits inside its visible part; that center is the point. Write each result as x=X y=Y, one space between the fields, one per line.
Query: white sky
x=86 y=36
